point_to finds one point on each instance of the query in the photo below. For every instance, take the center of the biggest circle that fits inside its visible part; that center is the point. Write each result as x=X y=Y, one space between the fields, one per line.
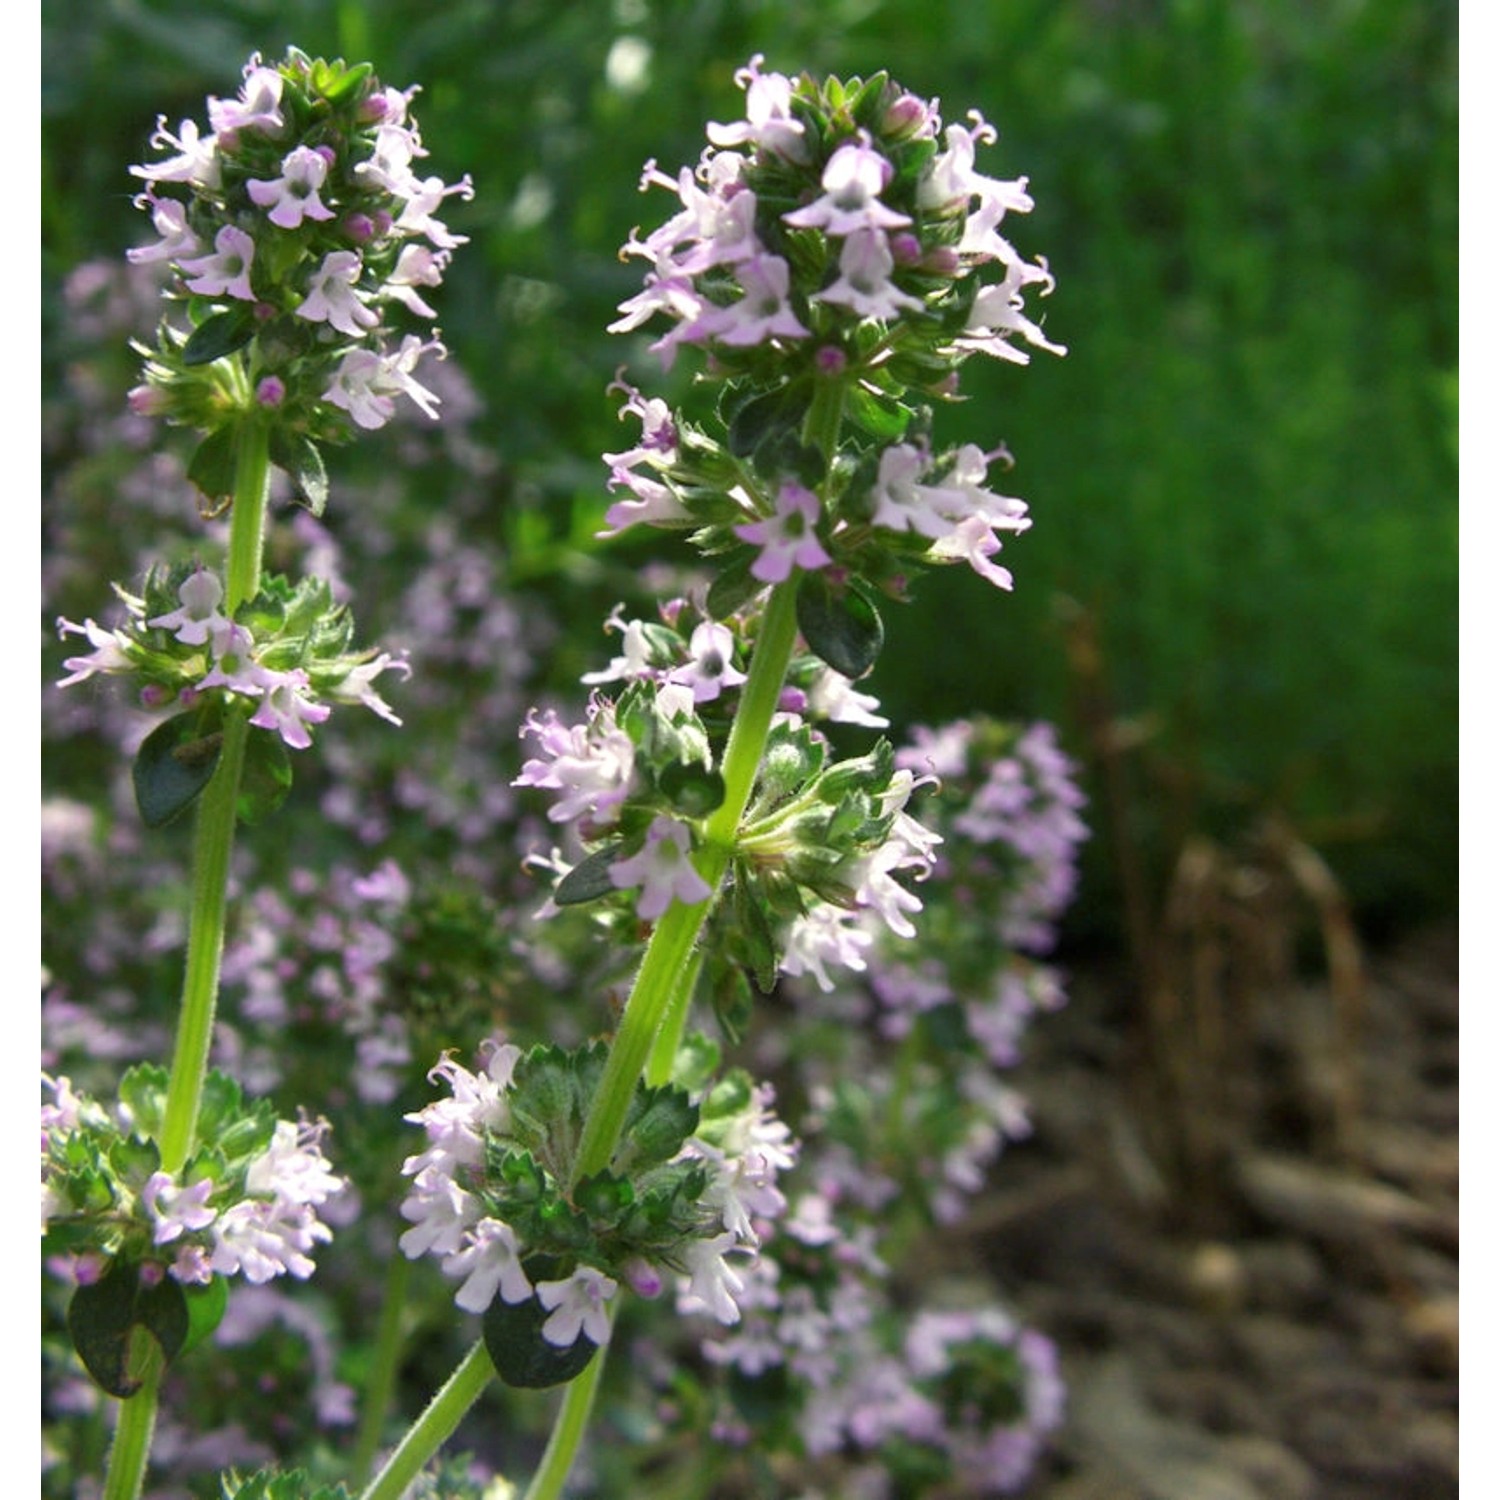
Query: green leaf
x=513 y=1337
x=840 y=625
x=266 y=778
x=884 y=420
x=762 y=419
x=175 y=762
x=299 y=456
x=219 y=335
x=733 y=585
x=657 y=1123
x=106 y=1319
x=205 y=1308
x=588 y=879
x=694 y=790
x=212 y=466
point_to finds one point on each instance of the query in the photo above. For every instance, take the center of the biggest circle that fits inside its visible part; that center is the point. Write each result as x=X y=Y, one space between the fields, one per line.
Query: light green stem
x=131 y=1448
x=671 y=945
x=382 y=1377
x=434 y=1427
x=214 y=835
x=567 y=1431
x=213 y=842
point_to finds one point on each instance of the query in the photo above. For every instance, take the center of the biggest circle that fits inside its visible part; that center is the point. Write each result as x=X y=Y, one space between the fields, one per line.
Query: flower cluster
x=291 y=229
x=245 y=1202
x=688 y=1193
x=829 y=260
x=287 y=652
x=826 y=851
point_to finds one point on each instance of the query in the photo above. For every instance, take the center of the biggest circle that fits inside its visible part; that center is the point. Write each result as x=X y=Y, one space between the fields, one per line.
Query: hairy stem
x=131 y=1448
x=434 y=1427
x=567 y=1431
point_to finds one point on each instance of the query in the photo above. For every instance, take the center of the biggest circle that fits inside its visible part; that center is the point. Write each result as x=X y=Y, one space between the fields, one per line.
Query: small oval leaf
x=219 y=335
x=104 y=1318
x=588 y=879
x=840 y=625
x=175 y=762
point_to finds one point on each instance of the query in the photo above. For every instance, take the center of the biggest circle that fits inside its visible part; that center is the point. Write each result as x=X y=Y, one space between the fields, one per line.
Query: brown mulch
x=1268 y=1312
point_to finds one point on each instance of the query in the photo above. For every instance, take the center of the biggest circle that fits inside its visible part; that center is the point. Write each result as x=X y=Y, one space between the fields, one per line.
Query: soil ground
x=1278 y=1320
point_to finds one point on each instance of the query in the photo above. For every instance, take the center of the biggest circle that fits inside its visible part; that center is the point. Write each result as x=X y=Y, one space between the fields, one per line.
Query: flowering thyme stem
x=214 y=835
x=671 y=945
x=434 y=1427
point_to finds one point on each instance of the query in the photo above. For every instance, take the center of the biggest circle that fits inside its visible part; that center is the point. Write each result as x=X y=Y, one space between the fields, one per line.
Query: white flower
x=663 y=869
x=578 y=1305
x=491 y=1262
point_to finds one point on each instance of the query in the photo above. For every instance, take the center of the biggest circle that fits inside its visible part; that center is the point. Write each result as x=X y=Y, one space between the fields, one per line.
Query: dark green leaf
x=106 y=1319
x=658 y=1121
x=299 y=456
x=513 y=1337
x=212 y=466
x=763 y=418
x=588 y=879
x=175 y=762
x=219 y=335
x=694 y=790
x=733 y=585
x=840 y=625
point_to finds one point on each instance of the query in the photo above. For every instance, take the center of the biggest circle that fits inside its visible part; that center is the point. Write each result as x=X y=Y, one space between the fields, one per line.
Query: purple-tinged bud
x=906 y=117
x=271 y=392
x=942 y=260
x=642 y=1278
x=264 y=312
x=227 y=142
x=329 y=155
x=792 y=700
x=374 y=109
x=831 y=360
x=154 y=695
x=147 y=401
x=906 y=248
x=152 y=1273
x=89 y=1267
x=189 y=696
x=359 y=228
x=382 y=222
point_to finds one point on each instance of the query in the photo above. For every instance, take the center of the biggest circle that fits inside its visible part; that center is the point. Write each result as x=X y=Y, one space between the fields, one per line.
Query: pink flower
x=787 y=540
x=663 y=869
x=227 y=271
x=293 y=196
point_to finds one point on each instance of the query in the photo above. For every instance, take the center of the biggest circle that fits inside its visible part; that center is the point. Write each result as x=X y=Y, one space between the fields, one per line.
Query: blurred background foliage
x=1240 y=593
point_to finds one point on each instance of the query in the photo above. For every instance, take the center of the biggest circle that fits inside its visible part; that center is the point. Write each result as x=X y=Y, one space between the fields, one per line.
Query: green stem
x=213 y=842
x=434 y=1427
x=382 y=1378
x=567 y=1431
x=669 y=1037
x=247 y=516
x=671 y=945
x=131 y=1448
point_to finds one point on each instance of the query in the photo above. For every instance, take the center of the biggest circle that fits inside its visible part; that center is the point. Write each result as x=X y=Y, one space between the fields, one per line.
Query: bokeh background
x=1238 y=602
x=1239 y=597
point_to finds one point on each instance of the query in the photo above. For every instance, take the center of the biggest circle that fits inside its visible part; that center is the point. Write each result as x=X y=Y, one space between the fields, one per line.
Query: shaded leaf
x=840 y=625
x=175 y=762
x=105 y=1318
x=219 y=335
x=588 y=879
